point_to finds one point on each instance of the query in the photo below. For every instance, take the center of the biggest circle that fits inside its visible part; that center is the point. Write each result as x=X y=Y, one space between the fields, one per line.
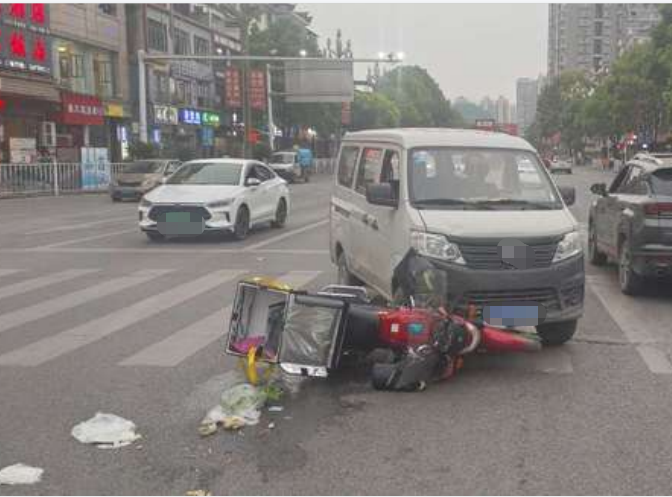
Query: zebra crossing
x=86 y=289
x=169 y=351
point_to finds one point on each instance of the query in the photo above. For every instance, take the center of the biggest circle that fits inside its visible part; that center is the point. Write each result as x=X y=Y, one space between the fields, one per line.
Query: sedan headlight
x=144 y=203
x=568 y=247
x=220 y=203
x=436 y=246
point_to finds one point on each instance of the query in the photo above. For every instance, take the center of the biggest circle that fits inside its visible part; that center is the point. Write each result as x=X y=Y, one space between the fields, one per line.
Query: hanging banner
x=233 y=92
x=257 y=89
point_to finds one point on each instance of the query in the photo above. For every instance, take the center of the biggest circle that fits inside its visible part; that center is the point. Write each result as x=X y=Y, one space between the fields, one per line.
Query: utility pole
x=247 y=118
x=269 y=109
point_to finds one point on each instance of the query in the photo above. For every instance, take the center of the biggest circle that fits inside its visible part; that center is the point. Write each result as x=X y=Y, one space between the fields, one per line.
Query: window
x=71 y=65
x=183 y=92
x=109 y=9
x=201 y=46
x=632 y=178
x=203 y=94
x=171 y=168
x=261 y=173
x=182 y=45
x=103 y=73
x=597 y=47
x=599 y=11
x=370 y=167
x=157 y=35
x=161 y=87
x=598 y=29
x=346 y=165
x=661 y=182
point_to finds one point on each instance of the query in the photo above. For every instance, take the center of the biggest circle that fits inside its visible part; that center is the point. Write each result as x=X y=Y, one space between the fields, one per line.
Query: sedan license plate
x=181 y=223
x=513 y=315
x=178 y=217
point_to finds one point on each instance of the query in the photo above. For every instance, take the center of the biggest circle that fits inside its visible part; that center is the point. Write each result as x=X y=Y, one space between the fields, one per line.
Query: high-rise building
x=527 y=90
x=590 y=37
x=489 y=107
x=503 y=110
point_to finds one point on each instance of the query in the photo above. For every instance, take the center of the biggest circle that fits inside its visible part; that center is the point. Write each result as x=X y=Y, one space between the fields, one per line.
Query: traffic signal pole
x=144 y=58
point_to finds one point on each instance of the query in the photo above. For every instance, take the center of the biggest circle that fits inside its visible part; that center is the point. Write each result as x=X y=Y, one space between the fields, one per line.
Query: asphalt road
x=94 y=317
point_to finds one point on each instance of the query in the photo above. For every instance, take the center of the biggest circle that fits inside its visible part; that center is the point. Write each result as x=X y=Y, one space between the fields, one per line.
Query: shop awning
x=31 y=88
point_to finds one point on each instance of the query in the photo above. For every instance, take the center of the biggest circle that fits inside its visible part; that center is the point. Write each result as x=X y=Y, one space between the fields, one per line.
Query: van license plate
x=513 y=315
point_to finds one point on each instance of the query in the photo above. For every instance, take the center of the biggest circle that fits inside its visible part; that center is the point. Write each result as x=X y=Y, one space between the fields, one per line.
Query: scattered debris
x=198 y=493
x=106 y=431
x=20 y=474
x=239 y=406
x=276 y=409
x=271 y=425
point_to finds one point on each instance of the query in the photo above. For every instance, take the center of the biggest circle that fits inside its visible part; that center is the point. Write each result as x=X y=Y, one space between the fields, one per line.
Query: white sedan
x=215 y=195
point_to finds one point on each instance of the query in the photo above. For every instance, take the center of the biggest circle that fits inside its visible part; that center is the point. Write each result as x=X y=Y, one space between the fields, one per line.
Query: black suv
x=631 y=222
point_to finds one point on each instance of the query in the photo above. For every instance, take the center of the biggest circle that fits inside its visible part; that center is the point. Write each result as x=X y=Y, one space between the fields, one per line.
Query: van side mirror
x=599 y=189
x=381 y=194
x=568 y=194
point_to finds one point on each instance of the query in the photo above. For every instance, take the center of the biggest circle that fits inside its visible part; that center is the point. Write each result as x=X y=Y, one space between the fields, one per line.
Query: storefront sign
x=190 y=116
x=81 y=109
x=257 y=89
x=165 y=114
x=22 y=150
x=233 y=93
x=210 y=118
x=114 y=110
x=25 y=43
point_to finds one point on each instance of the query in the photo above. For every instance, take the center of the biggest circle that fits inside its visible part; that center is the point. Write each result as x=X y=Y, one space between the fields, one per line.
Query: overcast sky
x=470 y=49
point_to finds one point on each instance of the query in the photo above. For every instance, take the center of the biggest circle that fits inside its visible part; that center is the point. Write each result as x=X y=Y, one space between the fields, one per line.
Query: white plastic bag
x=106 y=431
x=239 y=406
x=20 y=474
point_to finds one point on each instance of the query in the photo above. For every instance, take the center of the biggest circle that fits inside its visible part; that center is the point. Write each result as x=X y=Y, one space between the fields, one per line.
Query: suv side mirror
x=568 y=194
x=599 y=189
x=252 y=182
x=381 y=194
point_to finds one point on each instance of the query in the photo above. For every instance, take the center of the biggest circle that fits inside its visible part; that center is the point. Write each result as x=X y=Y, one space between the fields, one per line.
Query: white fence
x=63 y=178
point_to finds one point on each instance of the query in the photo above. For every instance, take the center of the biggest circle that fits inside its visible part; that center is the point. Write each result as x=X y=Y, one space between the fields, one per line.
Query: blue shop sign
x=190 y=116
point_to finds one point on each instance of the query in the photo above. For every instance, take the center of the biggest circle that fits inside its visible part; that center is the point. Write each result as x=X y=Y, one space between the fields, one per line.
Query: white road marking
x=636 y=319
x=42 y=281
x=46 y=248
x=74 y=227
x=186 y=342
x=7 y=272
x=67 y=341
x=69 y=300
x=288 y=234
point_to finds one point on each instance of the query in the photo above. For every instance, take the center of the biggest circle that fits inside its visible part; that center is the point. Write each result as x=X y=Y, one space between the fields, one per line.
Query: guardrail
x=17 y=180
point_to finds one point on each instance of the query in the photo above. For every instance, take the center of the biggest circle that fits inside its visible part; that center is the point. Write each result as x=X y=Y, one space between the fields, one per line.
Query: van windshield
x=479 y=178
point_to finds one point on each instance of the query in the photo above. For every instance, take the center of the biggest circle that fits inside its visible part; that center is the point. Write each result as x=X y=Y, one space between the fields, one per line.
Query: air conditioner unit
x=48 y=134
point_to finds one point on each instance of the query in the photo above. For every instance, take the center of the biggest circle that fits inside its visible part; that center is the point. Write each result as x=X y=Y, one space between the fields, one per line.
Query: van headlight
x=568 y=247
x=436 y=246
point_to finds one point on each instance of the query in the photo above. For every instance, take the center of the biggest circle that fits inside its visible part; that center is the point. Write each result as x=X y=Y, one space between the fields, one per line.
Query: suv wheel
x=630 y=282
x=554 y=334
x=595 y=257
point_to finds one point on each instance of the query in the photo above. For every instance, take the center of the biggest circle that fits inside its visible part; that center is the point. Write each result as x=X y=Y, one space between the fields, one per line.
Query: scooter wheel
x=383 y=376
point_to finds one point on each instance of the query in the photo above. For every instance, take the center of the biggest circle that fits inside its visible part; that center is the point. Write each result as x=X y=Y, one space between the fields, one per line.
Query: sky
x=471 y=50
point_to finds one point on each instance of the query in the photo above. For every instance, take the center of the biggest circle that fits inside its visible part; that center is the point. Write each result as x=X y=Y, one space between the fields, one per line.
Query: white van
x=458 y=198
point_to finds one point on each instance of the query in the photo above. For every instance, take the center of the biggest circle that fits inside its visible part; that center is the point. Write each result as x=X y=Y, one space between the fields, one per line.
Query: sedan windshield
x=144 y=167
x=207 y=173
x=483 y=179
x=282 y=158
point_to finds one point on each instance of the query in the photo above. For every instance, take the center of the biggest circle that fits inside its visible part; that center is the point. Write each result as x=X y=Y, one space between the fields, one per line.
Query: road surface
x=94 y=317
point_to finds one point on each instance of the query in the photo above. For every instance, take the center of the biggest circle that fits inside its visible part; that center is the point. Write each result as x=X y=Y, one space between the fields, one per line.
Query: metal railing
x=64 y=178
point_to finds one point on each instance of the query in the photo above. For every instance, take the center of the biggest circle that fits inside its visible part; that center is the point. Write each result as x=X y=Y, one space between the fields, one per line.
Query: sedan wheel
x=242 y=226
x=595 y=257
x=280 y=214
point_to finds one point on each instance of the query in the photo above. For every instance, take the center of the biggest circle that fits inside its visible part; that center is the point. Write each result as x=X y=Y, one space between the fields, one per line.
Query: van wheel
x=345 y=277
x=553 y=334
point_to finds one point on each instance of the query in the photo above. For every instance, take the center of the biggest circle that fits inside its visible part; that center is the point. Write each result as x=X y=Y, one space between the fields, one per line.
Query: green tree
x=373 y=110
x=418 y=97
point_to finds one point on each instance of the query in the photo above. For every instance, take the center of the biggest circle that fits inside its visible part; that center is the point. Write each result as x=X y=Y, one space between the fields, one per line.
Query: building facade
x=527 y=90
x=503 y=110
x=589 y=37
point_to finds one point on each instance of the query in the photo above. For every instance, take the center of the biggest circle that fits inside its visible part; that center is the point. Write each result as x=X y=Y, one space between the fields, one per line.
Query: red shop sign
x=257 y=89
x=81 y=109
x=233 y=93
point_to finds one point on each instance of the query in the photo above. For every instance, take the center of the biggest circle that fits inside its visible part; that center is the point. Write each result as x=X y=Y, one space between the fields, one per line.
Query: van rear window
x=346 y=165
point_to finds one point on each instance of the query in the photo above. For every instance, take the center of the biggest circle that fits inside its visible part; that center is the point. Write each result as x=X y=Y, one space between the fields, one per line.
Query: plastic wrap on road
x=106 y=431
x=239 y=406
x=20 y=474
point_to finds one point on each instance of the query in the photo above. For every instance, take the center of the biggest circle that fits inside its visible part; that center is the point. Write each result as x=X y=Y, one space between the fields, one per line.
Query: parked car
x=631 y=222
x=559 y=165
x=215 y=195
x=139 y=177
x=401 y=189
x=284 y=164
